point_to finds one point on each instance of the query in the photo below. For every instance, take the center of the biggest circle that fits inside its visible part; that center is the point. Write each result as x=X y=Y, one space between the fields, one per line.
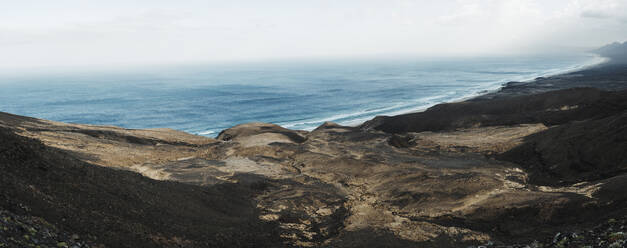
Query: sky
x=120 y=32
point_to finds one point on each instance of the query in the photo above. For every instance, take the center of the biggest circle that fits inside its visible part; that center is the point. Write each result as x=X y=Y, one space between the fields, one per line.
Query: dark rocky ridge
x=550 y=108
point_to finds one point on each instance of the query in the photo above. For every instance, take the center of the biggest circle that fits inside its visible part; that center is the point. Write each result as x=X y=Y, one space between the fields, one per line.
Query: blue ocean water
x=205 y=99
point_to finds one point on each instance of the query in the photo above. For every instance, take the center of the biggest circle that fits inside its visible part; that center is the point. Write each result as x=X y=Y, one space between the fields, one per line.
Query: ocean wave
x=298 y=99
x=205 y=133
x=421 y=104
x=363 y=115
x=594 y=61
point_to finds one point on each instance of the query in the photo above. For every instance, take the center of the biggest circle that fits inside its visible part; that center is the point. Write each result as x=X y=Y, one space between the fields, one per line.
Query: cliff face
x=457 y=174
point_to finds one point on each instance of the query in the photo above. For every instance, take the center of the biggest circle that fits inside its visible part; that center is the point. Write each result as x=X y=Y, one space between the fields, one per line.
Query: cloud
x=169 y=32
x=615 y=10
x=596 y=14
x=465 y=12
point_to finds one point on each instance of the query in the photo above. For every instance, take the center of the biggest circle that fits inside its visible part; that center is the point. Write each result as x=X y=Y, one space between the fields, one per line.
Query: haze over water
x=205 y=99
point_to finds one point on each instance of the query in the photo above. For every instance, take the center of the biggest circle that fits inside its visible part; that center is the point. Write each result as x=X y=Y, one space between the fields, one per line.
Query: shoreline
x=493 y=87
x=601 y=61
x=595 y=60
x=409 y=104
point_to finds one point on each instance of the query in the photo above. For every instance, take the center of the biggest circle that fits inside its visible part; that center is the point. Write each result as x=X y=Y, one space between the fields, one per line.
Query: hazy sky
x=121 y=32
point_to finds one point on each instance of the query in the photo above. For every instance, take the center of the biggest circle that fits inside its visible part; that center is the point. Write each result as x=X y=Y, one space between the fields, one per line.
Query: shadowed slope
x=120 y=208
x=575 y=152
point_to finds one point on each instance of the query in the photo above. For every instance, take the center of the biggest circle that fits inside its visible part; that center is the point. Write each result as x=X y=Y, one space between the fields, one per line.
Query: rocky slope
x=117 y=208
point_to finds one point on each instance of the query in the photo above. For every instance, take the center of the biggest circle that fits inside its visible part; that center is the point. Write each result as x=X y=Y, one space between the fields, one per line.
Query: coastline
x=206 y=110
x=599 y=62
x=609 y=75
x=596 y=61
x=602 y=61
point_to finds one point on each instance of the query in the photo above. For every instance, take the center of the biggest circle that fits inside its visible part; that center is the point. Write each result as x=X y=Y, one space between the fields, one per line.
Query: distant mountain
x=616 y=51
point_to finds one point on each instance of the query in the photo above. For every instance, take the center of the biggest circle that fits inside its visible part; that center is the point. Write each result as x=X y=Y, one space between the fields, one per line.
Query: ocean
x=207 y=98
